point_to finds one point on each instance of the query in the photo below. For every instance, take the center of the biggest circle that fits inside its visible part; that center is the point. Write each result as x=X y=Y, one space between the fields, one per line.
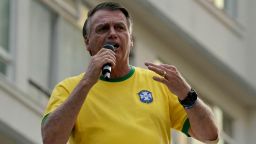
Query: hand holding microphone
x=106 y=69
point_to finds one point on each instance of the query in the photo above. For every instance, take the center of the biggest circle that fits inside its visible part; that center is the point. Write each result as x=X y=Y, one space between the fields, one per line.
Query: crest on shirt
x=145 y=96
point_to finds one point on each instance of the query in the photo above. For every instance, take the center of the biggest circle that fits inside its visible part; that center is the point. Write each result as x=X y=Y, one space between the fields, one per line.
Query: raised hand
x=96 y=63
x=171 y=77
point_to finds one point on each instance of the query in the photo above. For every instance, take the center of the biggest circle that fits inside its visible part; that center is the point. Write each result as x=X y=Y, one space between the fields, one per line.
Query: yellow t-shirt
x=132 y=110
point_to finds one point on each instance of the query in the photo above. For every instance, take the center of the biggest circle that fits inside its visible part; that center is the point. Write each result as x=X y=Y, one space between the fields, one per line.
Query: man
x=134 y=106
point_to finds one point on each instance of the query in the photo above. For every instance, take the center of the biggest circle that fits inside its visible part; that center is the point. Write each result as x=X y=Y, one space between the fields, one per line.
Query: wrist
x=190 y=99
x=87 y=82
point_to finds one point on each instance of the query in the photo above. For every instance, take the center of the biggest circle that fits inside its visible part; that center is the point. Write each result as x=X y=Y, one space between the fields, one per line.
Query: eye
x=120 y=27
x=102 y=29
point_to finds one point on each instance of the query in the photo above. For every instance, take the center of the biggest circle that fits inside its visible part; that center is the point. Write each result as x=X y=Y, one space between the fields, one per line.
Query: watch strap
x=190 y=99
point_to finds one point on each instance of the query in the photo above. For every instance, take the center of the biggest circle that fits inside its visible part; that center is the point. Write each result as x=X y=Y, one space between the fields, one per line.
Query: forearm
x=200 y=116
x=203 y=126
x=59 y=124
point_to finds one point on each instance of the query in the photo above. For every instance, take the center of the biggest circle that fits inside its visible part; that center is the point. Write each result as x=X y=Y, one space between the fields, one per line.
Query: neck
x=120 y=71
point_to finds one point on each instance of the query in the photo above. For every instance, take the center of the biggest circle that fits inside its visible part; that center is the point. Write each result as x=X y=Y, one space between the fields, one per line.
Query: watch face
x=190 y=99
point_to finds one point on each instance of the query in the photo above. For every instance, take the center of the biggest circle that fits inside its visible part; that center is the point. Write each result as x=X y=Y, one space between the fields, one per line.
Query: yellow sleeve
x=60 y=93
x=178 y=115
x=58 y=96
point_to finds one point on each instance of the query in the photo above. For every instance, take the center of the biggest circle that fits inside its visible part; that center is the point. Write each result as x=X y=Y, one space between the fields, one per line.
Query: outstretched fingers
x=160 y=70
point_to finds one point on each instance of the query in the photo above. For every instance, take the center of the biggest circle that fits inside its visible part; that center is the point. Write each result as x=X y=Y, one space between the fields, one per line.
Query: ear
x=86 y=42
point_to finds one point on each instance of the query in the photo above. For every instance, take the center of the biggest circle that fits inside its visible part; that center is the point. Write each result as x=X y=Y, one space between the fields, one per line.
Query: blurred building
x=210 y=41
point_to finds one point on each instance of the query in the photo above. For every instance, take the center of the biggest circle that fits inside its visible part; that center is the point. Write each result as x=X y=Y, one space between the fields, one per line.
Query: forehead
x=107 y=16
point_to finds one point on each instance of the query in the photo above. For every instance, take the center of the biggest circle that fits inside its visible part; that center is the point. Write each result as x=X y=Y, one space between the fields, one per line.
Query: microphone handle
x=106 y=70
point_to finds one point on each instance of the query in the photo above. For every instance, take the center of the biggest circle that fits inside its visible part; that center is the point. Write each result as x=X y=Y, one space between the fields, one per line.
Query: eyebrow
x=106 y=23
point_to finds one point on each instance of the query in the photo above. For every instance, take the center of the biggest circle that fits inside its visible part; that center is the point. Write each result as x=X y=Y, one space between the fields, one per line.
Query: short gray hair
x=106 y=6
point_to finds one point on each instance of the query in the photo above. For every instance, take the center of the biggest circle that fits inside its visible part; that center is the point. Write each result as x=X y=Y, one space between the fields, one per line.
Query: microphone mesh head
x=109 y=45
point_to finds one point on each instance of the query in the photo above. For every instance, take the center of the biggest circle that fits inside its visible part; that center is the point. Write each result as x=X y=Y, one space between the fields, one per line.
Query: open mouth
x=114 y=44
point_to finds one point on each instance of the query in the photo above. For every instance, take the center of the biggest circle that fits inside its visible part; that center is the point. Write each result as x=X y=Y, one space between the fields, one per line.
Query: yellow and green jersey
x=134 y=109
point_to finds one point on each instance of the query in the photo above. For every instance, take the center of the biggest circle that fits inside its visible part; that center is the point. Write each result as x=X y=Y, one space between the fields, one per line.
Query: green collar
x=131 y=72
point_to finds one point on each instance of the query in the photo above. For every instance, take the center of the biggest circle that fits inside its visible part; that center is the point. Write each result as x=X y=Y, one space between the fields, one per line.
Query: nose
x=112 y=33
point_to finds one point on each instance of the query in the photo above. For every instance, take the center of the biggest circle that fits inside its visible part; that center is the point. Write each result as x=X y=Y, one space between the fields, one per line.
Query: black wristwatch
x=190 y=100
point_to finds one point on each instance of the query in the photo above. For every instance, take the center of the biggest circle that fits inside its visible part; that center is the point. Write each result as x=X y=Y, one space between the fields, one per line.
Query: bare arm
x=200 y=116
x=202 y=122
x=59 y=124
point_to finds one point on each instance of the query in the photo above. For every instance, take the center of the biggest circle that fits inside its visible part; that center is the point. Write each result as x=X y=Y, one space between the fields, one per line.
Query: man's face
x=109 y=26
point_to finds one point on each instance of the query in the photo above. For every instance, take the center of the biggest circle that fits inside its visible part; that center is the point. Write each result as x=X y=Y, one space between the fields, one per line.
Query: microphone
x=106 y=69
